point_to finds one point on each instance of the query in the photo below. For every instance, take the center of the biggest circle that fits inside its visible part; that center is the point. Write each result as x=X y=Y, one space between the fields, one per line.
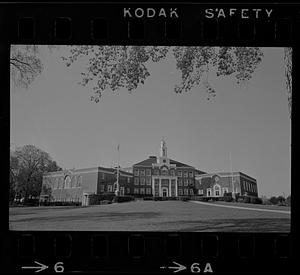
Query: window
x=185 y=174
x=122 y=191
x=103 y=176
x=156 y=181
x=148 y=172
x=186 y=191
x=164 y=171
x=148 y=181
x=172 y=172
x=179 y=191
x=179 y=182
x=200 y=191
x=191 y=192
x=55 y=185
x=67 y=182
x=128 y=179
x=101 y=188
x=185 y=182
x=217 y=190
x=191 y=174
x=74 y=181
x=109 y=188
x=148 y=191
x=142 y=180
x=179 y=173
x=142 y=172
x=128 y=190
x=156 y=172
x=142 y=190
x=61 y=183
x=79 y=183
x=136 y=172
x=208 y=192
x=136 y=181
x=135 y=190
x=173 y=182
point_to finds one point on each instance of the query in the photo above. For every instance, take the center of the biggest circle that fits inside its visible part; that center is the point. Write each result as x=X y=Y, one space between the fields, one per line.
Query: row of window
x=142 y=191
x=110 y=188
x=185 y=191
x=163 y=172
x=148 y=191
x=67 y=182
x=147 y=181
x=248 y=186
x=142 y=181
x=217 y=191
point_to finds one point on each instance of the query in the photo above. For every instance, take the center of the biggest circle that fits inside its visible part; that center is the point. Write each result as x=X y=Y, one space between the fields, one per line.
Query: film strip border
x=266 y=25
x=149 y=252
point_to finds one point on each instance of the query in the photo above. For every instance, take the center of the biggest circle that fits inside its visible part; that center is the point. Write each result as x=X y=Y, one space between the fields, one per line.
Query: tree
x=273 y=200
x=115 y=67
x=288 y=75
x=288 y=200
x=27 y=165
x=26 y=63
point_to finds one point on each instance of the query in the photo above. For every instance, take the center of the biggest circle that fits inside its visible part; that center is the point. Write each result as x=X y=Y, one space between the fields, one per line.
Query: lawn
x=150 y=216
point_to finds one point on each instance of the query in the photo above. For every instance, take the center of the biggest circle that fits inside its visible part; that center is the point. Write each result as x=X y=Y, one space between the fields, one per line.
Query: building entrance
x=165 y=192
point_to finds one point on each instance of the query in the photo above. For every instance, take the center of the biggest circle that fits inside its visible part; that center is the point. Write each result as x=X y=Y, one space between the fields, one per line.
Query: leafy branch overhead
x=25 y=64
x=115 y=67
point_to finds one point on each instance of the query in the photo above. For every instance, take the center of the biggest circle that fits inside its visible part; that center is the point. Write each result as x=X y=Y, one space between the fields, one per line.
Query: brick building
x=163 y=177
x=216 y=184
x=74 y=185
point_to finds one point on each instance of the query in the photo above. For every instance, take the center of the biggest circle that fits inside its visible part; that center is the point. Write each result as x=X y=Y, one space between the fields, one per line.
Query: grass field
x=153 y=216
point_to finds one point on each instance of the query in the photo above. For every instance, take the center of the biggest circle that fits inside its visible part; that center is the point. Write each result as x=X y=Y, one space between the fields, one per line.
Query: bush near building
x=123 y=198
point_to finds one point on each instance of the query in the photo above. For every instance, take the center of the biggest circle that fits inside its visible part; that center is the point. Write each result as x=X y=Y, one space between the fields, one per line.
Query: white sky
x=253 y=123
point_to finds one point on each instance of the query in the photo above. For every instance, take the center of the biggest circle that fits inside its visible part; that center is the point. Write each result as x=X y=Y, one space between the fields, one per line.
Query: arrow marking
x=41 y=267
x=179 y=267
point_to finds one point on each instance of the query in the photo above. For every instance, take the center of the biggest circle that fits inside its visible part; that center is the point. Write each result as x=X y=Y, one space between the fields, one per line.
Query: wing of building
x=217 y=184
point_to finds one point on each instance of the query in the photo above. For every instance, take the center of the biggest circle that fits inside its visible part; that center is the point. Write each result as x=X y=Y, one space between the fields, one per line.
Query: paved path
x=243 y=208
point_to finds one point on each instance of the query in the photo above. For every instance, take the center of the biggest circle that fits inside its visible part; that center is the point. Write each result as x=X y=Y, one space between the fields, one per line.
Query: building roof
x=153 y=159
x=91 y=169
x=227 y=174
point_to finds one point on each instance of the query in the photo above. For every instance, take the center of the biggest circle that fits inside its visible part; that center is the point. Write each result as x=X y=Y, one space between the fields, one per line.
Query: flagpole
x=233 y=193
x=118 y=170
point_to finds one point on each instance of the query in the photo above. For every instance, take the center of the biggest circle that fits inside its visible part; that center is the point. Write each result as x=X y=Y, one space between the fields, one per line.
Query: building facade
x=217 y=184
x=74 y=185
x=161 y=176
x=157 y=176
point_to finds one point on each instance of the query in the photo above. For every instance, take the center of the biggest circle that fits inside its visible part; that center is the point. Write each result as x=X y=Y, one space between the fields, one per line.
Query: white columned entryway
x=160 y=194
x=153 y=188
x=169 y=193
x=176 y=189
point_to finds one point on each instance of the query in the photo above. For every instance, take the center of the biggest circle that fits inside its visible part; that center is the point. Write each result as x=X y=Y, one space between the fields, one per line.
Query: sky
x=251 y=122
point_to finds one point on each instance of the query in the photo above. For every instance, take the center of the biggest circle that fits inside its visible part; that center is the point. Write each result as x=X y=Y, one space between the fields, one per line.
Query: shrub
x=106 y=196
x=228 y=198
x=157 y=198
x=246 y=200
x=105 y=202
x=256 y=200
x=123 y=198
x=184 y=198
x=148 y=198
